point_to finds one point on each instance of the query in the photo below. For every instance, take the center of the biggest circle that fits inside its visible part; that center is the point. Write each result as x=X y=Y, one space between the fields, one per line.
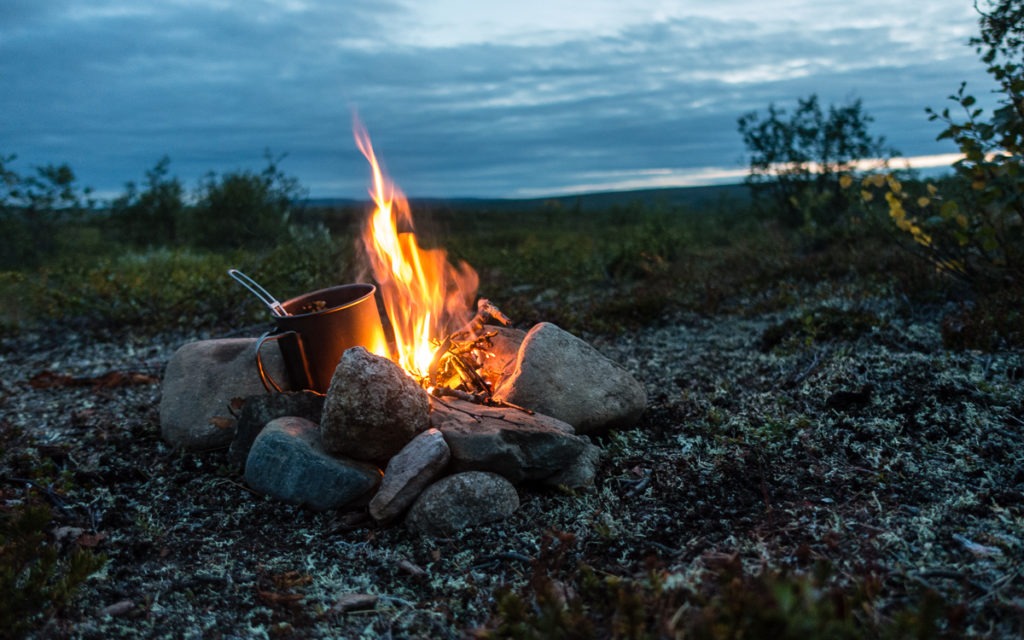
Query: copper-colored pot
x=319 y=327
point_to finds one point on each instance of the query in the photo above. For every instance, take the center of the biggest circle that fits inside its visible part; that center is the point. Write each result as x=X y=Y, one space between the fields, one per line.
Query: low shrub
x=37 y=577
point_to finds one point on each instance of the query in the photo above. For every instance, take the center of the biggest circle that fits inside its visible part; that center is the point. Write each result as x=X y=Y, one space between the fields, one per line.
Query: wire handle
x=275 y=307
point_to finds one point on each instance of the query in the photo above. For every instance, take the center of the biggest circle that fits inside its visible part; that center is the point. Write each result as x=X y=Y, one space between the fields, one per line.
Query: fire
x=425 y=296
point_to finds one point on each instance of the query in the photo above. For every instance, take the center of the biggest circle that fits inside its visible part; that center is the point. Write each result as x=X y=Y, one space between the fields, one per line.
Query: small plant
x=729 y=603
x=37 y=578
x=972 y=224
x=819 y=326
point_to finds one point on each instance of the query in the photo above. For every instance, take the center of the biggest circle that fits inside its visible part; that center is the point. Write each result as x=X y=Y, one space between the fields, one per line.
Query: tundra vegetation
x=832 y=449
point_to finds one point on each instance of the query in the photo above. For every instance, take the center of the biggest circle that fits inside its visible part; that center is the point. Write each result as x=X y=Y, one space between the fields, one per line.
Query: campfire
x=439 y=340
x=438 y=426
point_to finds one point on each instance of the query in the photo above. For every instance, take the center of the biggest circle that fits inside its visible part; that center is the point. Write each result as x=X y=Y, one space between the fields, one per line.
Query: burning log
x=457 y=361
x=486 y=313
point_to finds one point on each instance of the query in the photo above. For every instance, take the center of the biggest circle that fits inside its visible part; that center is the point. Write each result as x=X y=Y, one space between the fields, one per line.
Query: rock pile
x=447 y=463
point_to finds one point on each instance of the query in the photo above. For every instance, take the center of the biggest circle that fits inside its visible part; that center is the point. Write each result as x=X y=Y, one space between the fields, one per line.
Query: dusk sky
x=519 y=99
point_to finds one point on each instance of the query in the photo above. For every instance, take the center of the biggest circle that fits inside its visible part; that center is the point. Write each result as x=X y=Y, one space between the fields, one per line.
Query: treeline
x=45 y=214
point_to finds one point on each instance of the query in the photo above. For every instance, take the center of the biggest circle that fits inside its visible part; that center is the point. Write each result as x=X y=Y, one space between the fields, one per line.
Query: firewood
x=458 y=357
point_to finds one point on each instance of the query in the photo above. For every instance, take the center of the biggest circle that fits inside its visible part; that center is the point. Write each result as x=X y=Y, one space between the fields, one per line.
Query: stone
x=562 y=376
x=517 y=445
x=200 y=382
x=408 y=473
x=581 y=473
x=373 y=408
x=462 y=500
x=260 y=409
x=354 y=602
x=288 y=462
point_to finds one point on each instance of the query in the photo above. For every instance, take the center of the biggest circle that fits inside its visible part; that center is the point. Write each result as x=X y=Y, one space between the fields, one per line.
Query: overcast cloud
x=460 y=100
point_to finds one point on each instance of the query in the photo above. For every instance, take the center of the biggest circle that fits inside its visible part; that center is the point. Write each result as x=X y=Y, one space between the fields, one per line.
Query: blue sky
x=537 y=97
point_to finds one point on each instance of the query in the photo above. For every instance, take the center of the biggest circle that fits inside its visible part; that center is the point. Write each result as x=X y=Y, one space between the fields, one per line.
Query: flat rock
x=288 y=462
x=515 y=444
x=560 y=375
x=408 y=473
x=260 y=409
x=462 y=500
x=373 y=408
x=199 y=384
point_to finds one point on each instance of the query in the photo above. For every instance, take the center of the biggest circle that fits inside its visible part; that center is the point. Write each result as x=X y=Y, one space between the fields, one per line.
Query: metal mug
x=318 y=328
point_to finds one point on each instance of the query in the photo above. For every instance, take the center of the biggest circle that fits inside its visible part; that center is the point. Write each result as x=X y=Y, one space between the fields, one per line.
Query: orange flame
x=426 y=297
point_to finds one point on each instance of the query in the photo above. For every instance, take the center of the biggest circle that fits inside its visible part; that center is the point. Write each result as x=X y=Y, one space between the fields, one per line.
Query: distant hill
x=691 y=197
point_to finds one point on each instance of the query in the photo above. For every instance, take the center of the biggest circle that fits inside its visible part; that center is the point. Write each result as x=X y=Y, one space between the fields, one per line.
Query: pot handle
x=300 y=366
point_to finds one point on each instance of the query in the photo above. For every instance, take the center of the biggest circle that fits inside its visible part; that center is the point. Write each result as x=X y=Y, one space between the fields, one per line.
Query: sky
x=461 y=98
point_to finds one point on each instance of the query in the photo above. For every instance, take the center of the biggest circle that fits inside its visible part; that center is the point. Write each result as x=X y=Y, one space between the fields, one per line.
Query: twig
x=50 y=494
x=639 y=487
x=511 y=405
x=241 y=486
x=664 y=547
x=485 y=311
x=454 y=408
x=396 y=600
x=803 y=375
x=435 y=362
x=491 y=560
x=480 y=398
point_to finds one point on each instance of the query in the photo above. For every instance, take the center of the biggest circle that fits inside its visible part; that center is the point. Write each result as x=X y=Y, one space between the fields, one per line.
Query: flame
x=425 y=296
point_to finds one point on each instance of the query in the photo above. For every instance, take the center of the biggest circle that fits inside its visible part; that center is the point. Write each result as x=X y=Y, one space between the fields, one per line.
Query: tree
x=151 y=217
x=797 y=161
x=33 y=208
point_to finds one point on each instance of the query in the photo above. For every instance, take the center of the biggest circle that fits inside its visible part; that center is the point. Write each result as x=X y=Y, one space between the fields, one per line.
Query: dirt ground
x=840 y=436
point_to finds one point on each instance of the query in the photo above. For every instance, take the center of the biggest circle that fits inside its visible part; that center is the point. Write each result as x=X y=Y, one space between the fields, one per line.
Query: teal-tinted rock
x=288 y=462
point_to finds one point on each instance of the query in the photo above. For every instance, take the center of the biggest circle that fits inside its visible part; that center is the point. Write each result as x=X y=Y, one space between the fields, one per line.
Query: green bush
x=798 y=159
x=972 y=225
x=37 y=578
x=243 y=209
x=151 y=217
x=34 y=209
x=164 y=289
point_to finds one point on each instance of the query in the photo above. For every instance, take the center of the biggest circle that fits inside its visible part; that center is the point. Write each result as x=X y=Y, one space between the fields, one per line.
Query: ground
x=835 y=449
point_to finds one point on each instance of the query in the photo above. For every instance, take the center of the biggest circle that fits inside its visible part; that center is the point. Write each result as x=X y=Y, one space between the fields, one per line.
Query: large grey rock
x=562 y=376
x=288 y=462
x=408 y=473
x=515 y=444
x=462 y=500
x=199 y=384
x=373 y=408
x=260 y=409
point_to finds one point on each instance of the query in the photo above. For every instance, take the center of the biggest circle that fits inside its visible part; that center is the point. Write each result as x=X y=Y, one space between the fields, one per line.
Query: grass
x=592 y=271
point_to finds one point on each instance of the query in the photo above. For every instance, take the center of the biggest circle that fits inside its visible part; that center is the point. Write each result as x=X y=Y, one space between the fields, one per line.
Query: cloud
x=459 y=99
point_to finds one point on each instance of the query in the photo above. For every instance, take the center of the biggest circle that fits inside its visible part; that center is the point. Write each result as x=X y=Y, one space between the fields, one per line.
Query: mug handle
x=301 y=366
